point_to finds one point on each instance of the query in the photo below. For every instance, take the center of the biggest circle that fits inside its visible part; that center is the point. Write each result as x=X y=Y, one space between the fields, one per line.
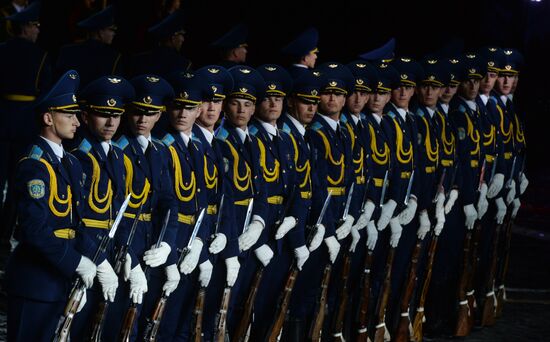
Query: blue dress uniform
x=92 y=58
x=333 y=156
x=304 y=44
x=162 y=60
x=235 y=38
x=240 y=154
x=48 y=187
x=104 y=185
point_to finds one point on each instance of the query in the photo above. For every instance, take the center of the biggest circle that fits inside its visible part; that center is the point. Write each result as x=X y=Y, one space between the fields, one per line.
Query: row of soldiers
x=322 y=206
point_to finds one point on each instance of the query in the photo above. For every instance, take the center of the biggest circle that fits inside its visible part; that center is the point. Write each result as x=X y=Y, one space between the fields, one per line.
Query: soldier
x=103 y=167
x=7 y=10
x=94 y=57
x=42 y=267
x=303 y=51
x=169 y=35
x=232 y=46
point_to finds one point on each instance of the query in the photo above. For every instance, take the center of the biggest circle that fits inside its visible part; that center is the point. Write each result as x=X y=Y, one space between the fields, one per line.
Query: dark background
x=348 y=28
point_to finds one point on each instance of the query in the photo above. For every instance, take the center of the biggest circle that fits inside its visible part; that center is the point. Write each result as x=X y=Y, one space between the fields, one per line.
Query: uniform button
x=284 y=171
x=77 y=202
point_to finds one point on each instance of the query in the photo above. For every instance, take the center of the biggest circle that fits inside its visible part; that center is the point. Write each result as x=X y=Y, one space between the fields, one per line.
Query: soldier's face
x=310 y=59
x=31 y=31
x=377 y=101
x=107 y=35
x=447 y=93
x=210 y=113
x=182 y=119
x=239 y=111
x=504 y=84
x=469 y=89
x=357 y=101
x=141 y=124
x=177 y=40
x=488 y=82
x=515 y=83
x=102 y=126
x=402 y=95
x=270 y=108
x=331 y=104
x=302 y=111
x=240 y=54
x=63 y=125
x=428 y=95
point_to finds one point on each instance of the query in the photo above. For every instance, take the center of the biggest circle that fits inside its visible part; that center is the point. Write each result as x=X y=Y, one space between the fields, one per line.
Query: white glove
x=355 y=237
x=482 y=203
x=86 y=269
x=264 y=254
x=288 y=223
x=523 y=183
x=232 y=266
x=440 y=202
x=387 y=213
x=157 y=256
x=205 y=273
x=191 y=260
x=406 y=216
x=333 y=248
x=516 y=204
x=396 y=230
x=251 y=235
x=218 y=244
x=343 y=231
x=439 y=222
x=364 y=218
x=453 y=195
x=501 y=210
x=172 y=279
x=302 y=254
x=496 y=185
x=127 y=267
x=83 y=301
x=424 y=226
x=511 y=195
x=317 y=238
x=372 y=235
x=108 y=280
x=138 y=284
x=471 y=216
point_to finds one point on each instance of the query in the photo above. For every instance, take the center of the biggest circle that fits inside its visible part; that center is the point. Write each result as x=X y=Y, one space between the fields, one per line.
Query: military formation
x=372 y=200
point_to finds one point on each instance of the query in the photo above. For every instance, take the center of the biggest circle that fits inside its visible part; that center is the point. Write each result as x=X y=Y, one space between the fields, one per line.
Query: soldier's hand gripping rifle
x=64 y=326
x=153 y=323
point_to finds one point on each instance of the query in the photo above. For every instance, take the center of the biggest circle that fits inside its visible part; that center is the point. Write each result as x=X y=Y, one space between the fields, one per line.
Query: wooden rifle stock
x=320 y=309
x=363 y=308
x=470 y=294
x=419 y=317
x=462 y=323
x=282 y=308
x=153 y=323
x=221 y=323
x=99 y=322
x=343 y=297
x=488 y=315
x=128 y=323
x=503 y=267
x=383 y=299
x=64 y=327
x=240 y=332
x=403 y=331
x=197 y=316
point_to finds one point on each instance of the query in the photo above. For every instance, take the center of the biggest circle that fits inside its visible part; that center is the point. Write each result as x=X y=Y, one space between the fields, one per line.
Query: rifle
x=153 y=323
x=381 y=330
x=318 y=318
x=131 y=314
x=221 y=324
x=384 y=188
x=409 y=188
x=197 y=316
x=419 y=317
x=284 y=299
x=120 y=260
x=219 y=217
x=488 y=316
x=362 y=313
x=65 y=321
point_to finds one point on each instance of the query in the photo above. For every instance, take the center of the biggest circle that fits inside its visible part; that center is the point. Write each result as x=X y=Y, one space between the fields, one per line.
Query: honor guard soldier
x=104 y=183
x=41 y=269
x=242 y=153
x=7 y=10
x=186 y=159
x=94 y=57
x=303 y=51
x=214 y=83
x=232 y=46
x=166 y=58
x=25 y=73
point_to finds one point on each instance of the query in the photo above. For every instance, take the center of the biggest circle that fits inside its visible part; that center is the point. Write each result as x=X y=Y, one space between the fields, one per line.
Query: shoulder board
x=222 y=133
x=316 y=126
x=36 y=152
x=286 y=128
x=363 y=116
x=391 y=114
x=122 y=142
x=253 y=130
x=343 y=119
x=168 y=139
x=493 y=99
x=462 y=108
x=85 y=146
x=158 y=141
x=419 y=112
x=196 y=140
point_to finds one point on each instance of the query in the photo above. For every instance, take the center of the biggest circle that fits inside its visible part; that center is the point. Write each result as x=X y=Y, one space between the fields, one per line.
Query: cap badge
x=244 y=90
x=332 y=66
x=431 y=78
x=184 y=95
x=404 y=76
x=72 y=76
x=472 y=70
x=453 y=61
x=272 y=86
x=492 y=49
x=380 y=84
x=270 y=68
x=213 y=70
x=111 y=102
x=114 y=80
x=508 y=67
x=359 y=81
x=188 y=75
x=245 y=71
x=491 y=63
x=406 y=60
x=153 y=79
x=360 y=65
x=314 y=92
x=147 y=99
x=432 y=61
x=471 y=56
x=383 y=65
x=508 y=52
x=333 y=83
x=214 y=89
x=317 y=73
x=74 y=98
